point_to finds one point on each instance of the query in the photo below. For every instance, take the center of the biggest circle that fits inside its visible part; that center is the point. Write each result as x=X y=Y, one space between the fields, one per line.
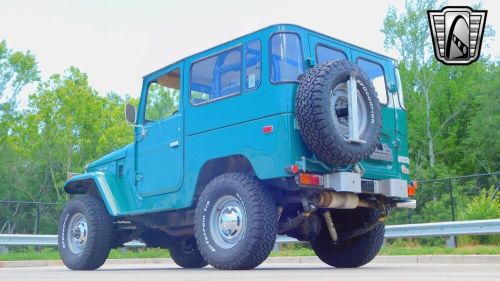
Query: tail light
x=412 y=189
x=310 y=179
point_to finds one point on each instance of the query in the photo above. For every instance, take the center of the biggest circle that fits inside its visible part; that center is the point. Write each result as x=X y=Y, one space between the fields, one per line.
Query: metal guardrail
x=479 y=227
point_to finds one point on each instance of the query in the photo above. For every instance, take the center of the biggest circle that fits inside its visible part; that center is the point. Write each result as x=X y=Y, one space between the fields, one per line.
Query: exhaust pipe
x=344 y=200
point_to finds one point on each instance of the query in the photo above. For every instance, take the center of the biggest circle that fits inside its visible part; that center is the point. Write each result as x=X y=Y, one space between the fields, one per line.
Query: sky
x=117 y=42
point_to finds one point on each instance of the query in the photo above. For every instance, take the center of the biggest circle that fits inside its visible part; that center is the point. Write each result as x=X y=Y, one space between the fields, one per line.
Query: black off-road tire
x=99 y=234
x=260 y=222
x=185 y=254
x=314 y=114
x=355 y=252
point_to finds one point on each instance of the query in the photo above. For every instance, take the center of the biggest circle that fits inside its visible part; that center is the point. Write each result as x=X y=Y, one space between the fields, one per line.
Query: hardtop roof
x=278 y=27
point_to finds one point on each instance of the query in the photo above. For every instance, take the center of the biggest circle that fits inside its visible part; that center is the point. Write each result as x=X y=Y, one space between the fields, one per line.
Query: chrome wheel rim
x=77 y=233
x=227 y=222
x=340 y=114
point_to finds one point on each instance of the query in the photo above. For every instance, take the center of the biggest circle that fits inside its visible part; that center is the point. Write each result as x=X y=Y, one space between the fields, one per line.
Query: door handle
x=174 y=144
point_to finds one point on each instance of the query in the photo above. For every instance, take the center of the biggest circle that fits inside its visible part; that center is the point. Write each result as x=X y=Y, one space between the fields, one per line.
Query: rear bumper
x=352 y=182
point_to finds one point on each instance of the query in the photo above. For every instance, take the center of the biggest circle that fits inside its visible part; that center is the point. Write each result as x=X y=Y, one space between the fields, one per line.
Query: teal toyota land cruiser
x=284 y=131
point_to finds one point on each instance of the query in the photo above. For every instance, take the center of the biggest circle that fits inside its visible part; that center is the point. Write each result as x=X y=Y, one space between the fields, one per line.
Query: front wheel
x=235 y=222
x=85 y=233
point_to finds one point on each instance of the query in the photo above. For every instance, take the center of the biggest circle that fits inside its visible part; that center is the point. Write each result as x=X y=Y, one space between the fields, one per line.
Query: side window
x=286 y=57
x=324 y=54
x=376 y=74
x=252 y=64
x=163 y=97
x=216 y=77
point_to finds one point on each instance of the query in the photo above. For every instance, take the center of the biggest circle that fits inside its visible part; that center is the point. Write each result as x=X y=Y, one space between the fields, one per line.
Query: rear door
x=381 y=163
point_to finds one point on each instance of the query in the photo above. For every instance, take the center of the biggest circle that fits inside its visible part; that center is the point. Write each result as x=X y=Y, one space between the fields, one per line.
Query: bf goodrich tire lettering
x=85 y=245
x=322 y=114
x=235 y=222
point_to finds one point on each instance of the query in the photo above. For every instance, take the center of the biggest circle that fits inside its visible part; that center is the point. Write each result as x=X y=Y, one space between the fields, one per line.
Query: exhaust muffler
x=341 y=200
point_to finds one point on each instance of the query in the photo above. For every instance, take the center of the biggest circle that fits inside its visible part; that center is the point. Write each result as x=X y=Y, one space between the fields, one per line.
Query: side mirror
x=130 y=114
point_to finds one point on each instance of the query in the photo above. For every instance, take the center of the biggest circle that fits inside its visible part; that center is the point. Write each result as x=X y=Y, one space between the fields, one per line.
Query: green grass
x=53 y=254
x=421 y=250
x=296 y=250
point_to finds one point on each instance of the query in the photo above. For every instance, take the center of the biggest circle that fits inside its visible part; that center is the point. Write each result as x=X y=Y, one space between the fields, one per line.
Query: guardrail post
x=451 y=242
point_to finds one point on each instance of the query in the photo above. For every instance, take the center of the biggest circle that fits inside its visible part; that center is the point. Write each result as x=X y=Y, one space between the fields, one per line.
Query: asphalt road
x=267 y=271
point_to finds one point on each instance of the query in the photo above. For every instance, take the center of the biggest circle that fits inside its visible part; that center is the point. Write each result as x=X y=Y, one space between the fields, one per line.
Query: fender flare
x=81 y=184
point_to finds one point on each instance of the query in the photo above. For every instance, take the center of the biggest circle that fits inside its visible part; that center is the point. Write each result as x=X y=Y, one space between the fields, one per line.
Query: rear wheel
x=185 y=253
x=85 y=233
x=235 y=222
x=356 y=251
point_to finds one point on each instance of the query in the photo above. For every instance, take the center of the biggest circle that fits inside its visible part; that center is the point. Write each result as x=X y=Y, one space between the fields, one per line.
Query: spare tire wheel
x=323 y=115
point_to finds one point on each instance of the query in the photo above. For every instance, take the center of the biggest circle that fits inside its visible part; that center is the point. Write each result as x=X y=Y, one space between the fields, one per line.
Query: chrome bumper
x=352 y=182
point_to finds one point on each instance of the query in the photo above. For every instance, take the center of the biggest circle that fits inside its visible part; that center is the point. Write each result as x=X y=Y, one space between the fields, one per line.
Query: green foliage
x=453 y=119
x=484 y=206
x=162 y=102
x=67 y=125
x=17 y=69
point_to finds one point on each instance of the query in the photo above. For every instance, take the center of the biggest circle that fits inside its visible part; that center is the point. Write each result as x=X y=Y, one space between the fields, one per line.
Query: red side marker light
x=292 y=169
x=267 y=129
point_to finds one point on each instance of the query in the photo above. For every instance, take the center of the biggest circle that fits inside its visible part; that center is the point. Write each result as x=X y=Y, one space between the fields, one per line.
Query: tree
x=408 y=33
x=483 y=137
x=68 y=125
x=17 y=69
x=443 y=101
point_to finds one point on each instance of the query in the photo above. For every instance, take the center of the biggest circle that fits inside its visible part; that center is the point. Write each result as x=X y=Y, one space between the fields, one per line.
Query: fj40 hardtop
x=281 y=131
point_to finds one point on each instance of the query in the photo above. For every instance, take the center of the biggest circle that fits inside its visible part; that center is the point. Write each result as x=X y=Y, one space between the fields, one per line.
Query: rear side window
x=252 y=64
x=286 y=57
x=376 y=74
x=324 y=54
x=216 y=77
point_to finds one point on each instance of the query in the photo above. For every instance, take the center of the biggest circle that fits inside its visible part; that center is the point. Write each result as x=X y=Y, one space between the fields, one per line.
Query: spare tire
x=323 y=116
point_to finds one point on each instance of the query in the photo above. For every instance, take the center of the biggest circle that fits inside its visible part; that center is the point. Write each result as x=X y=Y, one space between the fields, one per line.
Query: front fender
x=102 y=181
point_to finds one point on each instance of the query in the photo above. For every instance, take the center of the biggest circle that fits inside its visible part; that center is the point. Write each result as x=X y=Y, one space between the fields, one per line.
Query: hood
x=113 y=156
